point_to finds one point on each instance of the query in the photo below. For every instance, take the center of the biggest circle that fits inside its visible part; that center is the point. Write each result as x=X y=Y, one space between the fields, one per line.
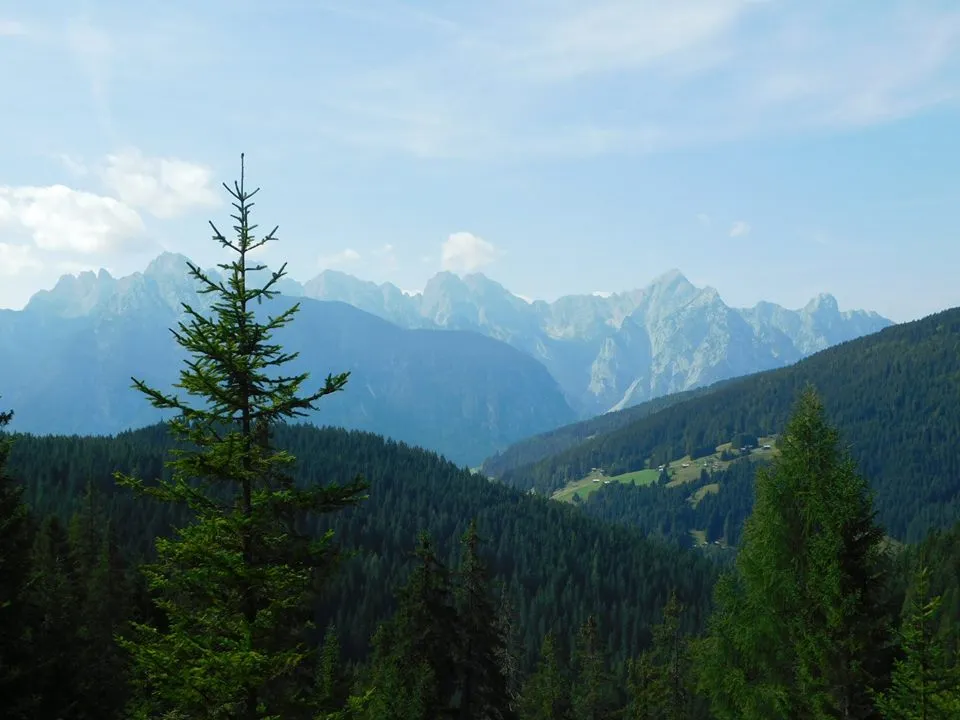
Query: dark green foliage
x=643 y=689
x=414 y=667
x=104 y=600
x=924 y=684
x=800 y=627
x=510 y=650
x=660 y=683
x=545 y=551
x=53 y=639
x=330 y=679
x=235 y=583
x=482 y=683
x=672 y=656
x=15 y=541
x=592 y=695
x=545 y=694
x=893 y=395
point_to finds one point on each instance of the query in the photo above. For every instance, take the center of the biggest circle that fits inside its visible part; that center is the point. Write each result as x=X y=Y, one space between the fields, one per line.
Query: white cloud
x=740 y=228
x=164 y=187
x=10 y=28
x=16 y=259
x=602 y=293
x=465 y=252
x=623 y=34
x=338 y=260
x=58 y=218
x=704 y=220
x=73 y=165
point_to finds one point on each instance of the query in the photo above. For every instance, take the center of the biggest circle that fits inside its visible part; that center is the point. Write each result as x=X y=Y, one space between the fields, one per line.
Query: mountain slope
x=559 y=565
x=70 y=353
x=617 y=351
x=533 y=449
x=894 y=395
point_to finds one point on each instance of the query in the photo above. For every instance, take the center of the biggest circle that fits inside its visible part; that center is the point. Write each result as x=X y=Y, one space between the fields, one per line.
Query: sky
x=772 y=149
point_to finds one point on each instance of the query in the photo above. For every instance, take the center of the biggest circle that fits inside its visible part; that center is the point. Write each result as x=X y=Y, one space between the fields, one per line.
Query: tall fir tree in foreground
x=800 y=627
x=235 y=583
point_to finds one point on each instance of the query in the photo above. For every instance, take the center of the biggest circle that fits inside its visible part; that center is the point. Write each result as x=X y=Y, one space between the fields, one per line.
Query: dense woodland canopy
x=232 y=564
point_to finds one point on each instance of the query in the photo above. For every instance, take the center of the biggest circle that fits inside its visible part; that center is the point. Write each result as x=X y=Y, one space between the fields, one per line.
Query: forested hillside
x=894 y=395
x=560 y=565
x=570 y=581
x=533 y=449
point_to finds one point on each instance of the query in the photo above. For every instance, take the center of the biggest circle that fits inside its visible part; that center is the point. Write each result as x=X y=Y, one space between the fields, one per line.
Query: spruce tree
x=15 y=543
x=509 y=652
x=414 y=674
x=545 y=694
x=54 y=639
x=482 y=684
x=800 y=627
x=644 y=686
x=672 y=656
x=102 y=595
x=592 y=697
x=923 y=685
x=236 y=582
x=330 y=677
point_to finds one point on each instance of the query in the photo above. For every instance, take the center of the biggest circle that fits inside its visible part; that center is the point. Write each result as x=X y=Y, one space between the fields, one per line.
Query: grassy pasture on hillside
x=680 y=471
x=596 y=479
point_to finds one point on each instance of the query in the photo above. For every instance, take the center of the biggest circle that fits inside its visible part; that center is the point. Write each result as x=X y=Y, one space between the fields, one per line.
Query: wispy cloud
x=566 y=78
x=93 y=49
x=740 y=228
x=11 y=28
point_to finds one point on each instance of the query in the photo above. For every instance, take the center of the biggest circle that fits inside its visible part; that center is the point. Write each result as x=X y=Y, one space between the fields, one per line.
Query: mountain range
x=465 y=367
x=615 y=351
x=68 y=357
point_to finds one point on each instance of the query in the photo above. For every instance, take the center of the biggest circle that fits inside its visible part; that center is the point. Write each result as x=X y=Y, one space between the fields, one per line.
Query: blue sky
x=770 y=149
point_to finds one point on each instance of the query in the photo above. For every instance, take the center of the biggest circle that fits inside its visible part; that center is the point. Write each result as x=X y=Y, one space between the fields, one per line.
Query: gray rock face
x=613 y=352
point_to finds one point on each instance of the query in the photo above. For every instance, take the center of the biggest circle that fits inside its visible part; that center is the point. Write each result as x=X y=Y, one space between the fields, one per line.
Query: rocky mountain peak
x=822 y=303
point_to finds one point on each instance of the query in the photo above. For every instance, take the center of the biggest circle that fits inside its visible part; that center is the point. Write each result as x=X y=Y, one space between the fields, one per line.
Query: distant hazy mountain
x=67 y=358
x=617 y=351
